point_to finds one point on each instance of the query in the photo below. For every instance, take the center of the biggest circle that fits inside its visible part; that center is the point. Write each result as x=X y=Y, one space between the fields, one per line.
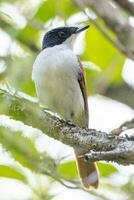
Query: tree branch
x=16 y=106
x=127 y=5
x=117 y=22
x=122 y=93
x=123 y=127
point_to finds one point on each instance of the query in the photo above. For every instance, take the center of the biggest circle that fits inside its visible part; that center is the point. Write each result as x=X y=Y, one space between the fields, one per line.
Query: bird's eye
x=62 y=34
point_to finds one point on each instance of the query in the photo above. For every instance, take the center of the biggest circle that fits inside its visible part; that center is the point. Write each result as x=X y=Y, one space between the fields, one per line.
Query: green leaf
x=21 y=148
x=29 y=35
x=12 y=172
x=101 y=52
x=65 y=8
x=98 y=49
x=46 y=11
x=68 y=170
x=23 y=73
x=50 y=9
x=106 y=169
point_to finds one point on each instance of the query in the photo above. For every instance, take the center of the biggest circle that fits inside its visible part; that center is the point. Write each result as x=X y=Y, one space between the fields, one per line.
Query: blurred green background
x=109 y=74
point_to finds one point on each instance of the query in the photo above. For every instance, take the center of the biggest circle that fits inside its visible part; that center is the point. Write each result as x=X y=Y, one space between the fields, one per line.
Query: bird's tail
x=88 y=173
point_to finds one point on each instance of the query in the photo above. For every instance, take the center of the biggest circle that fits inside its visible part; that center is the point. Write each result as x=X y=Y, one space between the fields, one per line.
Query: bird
x=61 y=87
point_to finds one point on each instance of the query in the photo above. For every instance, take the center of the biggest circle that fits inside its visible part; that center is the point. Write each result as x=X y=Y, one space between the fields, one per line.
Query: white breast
x=55 y=73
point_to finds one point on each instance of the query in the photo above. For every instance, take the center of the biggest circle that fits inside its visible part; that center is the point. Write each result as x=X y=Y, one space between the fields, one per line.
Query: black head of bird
x=59 y=35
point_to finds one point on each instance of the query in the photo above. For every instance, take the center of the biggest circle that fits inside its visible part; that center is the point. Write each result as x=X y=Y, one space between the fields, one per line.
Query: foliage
x=22 y=25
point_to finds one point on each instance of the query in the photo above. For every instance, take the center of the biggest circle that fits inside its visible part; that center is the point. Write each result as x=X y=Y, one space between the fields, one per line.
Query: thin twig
x=116 y=43
x=126 y=5
x=115 y=20
x=125 y=126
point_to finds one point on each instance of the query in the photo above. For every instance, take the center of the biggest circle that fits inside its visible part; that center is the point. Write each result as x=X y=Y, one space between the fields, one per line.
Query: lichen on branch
x=95 y=145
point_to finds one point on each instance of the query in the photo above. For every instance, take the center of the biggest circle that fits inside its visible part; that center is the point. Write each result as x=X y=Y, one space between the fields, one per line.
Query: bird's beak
x=80 y=29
